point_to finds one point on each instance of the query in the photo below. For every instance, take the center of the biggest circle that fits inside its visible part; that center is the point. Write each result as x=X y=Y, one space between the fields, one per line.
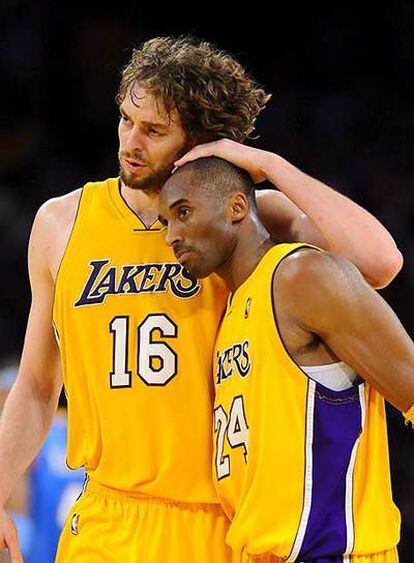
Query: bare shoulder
x=52 y=227
x=309 y=275
x=59 y=209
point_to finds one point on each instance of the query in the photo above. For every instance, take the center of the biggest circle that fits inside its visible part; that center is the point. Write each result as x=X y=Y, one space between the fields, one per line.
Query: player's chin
x=197 y=268
x=140 y=180
x=130 y=179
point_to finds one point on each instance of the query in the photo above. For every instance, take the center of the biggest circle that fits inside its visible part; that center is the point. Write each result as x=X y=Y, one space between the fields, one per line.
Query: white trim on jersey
x=56 y=333
x=337 y=376
x=349 y=490
x=85 y=483
x=308 y=484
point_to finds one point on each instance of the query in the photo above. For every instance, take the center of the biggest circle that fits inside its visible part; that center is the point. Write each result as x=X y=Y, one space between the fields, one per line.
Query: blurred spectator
x=40 y=502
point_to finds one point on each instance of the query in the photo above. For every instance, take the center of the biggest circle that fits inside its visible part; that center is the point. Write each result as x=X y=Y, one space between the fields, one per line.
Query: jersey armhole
x=333 y=392
x=68 y=244
x=274 y=315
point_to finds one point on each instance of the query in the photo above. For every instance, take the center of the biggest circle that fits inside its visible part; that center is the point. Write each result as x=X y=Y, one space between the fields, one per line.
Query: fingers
x=199 y=151
x=193 y=154
x=12 y=543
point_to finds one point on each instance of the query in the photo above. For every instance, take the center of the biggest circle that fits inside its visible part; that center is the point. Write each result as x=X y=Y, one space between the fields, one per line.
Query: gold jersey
x=136 y=335
x=301 y=470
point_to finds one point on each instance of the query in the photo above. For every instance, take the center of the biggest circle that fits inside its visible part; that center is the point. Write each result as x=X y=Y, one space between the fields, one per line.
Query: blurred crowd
x=341 y=110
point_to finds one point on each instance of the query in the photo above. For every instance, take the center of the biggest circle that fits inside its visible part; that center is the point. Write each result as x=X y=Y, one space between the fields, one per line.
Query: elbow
x=386 y=269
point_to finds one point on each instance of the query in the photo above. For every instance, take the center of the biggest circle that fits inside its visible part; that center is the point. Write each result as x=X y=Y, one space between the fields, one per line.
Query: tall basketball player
x=303 y=354
x=136 y=332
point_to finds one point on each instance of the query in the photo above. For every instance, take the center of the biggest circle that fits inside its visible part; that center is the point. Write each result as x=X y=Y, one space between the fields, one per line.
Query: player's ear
x=239 y=207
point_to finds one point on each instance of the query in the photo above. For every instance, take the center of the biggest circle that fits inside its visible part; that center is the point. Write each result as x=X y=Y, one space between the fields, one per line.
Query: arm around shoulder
x=320 y=215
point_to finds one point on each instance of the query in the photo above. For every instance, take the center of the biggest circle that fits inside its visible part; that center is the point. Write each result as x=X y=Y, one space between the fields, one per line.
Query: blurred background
x=341 y=110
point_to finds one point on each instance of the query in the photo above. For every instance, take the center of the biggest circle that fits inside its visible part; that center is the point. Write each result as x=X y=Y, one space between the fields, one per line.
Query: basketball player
x=136 y=332
x=304 y=352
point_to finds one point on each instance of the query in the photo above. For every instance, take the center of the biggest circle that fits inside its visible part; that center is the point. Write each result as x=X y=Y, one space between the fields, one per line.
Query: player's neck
x=144 y=204
x=252 y=244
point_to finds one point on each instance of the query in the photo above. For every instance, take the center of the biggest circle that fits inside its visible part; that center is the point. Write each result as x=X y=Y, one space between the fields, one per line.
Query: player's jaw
x=188 y=257
x=200 y=258
x=140 y=174
x=193 y=262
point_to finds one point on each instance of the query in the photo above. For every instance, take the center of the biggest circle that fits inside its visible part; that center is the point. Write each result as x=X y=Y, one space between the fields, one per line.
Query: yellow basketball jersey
x=301 y=470
x=136 y=336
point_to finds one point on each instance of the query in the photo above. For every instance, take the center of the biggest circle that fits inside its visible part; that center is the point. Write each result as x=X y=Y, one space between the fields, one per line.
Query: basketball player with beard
x=130 y=333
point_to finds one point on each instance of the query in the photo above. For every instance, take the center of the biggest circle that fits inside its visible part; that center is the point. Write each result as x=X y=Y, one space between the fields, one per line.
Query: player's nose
x=134 y=139
x=173 y=235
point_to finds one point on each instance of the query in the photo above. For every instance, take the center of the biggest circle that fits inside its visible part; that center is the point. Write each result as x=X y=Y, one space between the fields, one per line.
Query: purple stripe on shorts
x=336 y=559
x=337 y=426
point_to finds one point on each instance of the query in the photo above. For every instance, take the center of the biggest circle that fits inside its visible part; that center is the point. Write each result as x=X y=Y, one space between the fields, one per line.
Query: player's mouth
x=182 y=255
x=133 y=165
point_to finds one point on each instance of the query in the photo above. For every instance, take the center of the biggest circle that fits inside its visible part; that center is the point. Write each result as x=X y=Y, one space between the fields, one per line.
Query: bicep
x=277 y=213
x=369 y=337
x=358 y=326
x=285 y=221
x=40 y=358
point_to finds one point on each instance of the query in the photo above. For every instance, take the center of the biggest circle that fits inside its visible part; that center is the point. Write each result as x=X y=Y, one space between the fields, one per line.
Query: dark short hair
x=212 y=93
x=220 y=178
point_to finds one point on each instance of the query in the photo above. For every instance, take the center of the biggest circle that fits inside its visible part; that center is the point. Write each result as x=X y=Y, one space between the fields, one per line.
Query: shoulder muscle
x=50 y=232
x=319 y=287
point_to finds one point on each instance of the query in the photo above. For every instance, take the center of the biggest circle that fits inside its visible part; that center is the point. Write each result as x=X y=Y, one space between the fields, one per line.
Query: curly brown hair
x=212 y=93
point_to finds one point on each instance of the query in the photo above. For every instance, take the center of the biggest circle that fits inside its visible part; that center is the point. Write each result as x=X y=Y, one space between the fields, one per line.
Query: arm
x=32 y=402
x=309 y=211
x=320 y=215
x=351 y=318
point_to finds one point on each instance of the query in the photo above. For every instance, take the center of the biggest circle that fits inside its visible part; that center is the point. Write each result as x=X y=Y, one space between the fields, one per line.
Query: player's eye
x=154 y=132
x=163 y=221
x=183 y=212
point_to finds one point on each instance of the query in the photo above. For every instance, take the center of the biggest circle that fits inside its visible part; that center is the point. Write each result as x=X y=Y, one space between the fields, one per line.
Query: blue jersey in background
x=53 y=490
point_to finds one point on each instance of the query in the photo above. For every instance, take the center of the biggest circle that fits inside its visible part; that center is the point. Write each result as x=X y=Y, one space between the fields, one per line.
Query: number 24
x=236 y=429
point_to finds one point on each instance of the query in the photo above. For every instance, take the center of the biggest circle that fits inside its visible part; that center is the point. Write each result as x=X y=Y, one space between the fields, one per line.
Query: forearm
x=24 y=424
x=347 y=228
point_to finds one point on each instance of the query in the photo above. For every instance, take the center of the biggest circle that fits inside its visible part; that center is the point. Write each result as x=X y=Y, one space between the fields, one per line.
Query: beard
x=154 y=179
x=151 y=182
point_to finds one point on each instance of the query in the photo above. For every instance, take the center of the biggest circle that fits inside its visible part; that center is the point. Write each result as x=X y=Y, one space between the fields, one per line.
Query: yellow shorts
x=107 y=526
x=389 y=556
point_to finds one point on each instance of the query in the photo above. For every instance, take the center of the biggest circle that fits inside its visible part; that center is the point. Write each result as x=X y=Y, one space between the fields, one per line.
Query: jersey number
x=235 y=428
x=157 y=361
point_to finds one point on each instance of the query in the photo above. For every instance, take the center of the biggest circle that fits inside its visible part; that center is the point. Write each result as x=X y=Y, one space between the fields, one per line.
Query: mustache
x=180 y=249
x=134 y=155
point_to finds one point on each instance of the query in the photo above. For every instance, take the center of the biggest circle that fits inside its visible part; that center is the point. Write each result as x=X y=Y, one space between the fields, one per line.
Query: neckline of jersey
x=238 y=291
x=258 y=268
x=132 y=218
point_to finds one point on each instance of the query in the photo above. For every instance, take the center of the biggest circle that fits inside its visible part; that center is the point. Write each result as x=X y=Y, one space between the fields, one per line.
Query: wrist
x=7 y=482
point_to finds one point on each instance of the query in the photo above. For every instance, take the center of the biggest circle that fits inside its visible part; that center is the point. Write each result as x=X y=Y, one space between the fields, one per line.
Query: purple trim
x=335 y=559
x=337 y=426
